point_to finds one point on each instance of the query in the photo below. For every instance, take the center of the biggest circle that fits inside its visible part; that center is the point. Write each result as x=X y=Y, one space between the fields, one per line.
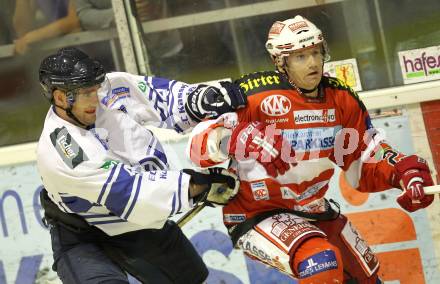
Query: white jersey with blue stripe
x=152 y=101
x=116 y=175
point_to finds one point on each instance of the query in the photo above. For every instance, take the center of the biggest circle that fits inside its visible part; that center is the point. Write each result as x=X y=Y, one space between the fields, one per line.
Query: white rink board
x=25 y=243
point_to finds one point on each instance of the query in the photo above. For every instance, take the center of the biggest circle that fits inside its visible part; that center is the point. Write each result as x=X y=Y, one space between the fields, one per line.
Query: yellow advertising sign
x=345 y=70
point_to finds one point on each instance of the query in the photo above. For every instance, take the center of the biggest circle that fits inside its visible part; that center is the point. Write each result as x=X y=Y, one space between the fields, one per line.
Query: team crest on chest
x=260 y=191
x=276 y=105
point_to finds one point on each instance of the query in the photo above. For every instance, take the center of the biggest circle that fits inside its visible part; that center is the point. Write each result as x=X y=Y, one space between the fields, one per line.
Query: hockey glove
x=222 y=185
x=260 y=141
x=412 y=174
x=210 y=102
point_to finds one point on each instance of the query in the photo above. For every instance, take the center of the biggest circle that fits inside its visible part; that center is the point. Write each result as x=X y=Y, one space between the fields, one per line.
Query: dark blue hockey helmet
x=69 y=69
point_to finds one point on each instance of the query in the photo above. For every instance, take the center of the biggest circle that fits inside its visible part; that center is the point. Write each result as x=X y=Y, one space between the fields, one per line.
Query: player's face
x=86 y=103
x=304 y=67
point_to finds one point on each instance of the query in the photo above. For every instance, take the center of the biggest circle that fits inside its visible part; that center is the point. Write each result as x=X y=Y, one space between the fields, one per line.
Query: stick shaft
x=432 y=189
x=190 y=214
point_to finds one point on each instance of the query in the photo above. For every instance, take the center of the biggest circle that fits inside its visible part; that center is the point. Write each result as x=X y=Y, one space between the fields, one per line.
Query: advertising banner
x=420 y=65
x=345 y=70
x=403 y=241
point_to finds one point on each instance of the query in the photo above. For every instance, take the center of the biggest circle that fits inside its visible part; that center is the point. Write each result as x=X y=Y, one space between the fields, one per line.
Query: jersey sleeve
x=143 y=198
x=148 y=100
x=130 y=141
x=245 y=114
x=85 y=180
x=208 y=142
x=360 y=149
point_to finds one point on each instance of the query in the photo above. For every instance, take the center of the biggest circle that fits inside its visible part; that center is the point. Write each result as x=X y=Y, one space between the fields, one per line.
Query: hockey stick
x=190 y=214
x=432 y=189
x=195 y=210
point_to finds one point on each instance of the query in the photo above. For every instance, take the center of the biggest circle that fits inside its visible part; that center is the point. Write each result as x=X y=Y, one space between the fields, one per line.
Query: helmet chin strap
x=70 y=95
x=301 y=90
x=71 y=115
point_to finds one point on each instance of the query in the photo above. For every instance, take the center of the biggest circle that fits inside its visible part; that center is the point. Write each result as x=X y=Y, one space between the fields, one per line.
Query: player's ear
x=59 y=98
x=280 y=64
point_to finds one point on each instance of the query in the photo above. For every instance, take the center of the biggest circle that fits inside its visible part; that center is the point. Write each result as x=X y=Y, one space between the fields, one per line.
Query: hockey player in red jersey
x=281 y=216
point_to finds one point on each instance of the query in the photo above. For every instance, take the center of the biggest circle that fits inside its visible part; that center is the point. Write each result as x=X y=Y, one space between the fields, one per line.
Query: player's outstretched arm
x=210 y=102
x=213 y=142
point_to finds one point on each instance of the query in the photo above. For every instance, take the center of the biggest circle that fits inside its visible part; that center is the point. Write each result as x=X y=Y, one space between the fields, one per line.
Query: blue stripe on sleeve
x=159 y=153
x=107 y=222
x=154 y=163
x=89 y=216
x=76 y=204
x=179 y=190
x=150 y=94
x=178 y=129
x=160 y=83
x=136 y=195
x=104 y=187
x=160 y=108
x=171 y=104
x=120 y=192
x=173 y=205
x=159 y=98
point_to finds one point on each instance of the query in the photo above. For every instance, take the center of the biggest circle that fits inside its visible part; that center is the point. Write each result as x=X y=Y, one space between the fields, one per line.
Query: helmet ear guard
x=71 y=96
x=47 y=92
x=280 y=63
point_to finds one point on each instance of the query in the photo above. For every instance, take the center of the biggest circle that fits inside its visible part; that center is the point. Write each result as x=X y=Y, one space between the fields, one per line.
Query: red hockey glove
x=412 y=174
x=263 y=143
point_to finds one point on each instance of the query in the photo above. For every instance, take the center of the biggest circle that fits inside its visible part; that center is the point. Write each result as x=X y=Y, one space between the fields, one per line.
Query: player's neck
x=312 y=94
x=63 y=114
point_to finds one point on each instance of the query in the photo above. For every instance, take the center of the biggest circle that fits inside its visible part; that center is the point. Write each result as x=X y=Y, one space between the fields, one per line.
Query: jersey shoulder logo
x=275 y=105
x=142 y=86
x=258 y=82
x=260 y=190
x=115 y=95
x=67 y=147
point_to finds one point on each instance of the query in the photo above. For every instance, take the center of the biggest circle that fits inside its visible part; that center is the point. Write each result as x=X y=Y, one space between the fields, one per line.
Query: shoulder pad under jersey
x=335 y=83
x=338 y=84
x=257 y=82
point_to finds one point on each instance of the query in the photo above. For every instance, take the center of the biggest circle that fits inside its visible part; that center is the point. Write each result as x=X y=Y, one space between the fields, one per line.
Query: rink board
x=404 y=242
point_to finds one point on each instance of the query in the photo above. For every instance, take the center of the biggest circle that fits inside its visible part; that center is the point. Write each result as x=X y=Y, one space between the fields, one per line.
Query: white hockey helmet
x=294 y=34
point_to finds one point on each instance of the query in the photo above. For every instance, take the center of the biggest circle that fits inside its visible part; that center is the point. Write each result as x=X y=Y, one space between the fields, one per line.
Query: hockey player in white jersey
x=109 y=191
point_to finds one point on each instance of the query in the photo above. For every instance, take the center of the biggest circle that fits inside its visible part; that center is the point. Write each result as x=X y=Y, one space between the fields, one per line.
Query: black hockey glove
x=222 y=185
x=210 y=102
